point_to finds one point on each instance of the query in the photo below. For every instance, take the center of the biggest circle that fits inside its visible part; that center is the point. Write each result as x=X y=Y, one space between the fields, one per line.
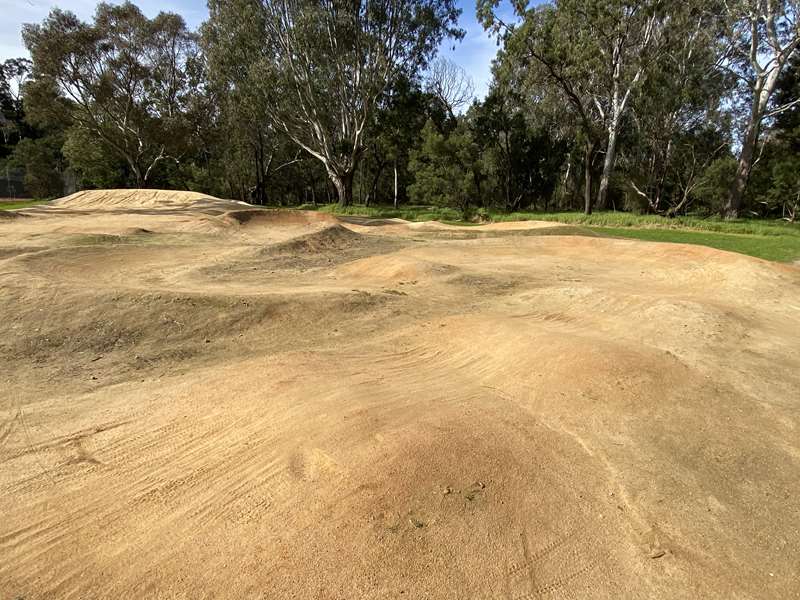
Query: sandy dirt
x=202 y=400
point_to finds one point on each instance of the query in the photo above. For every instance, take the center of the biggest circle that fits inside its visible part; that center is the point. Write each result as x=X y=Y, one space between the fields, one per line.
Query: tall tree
x=448 y=170
x=13 y=74
x=123 y=78
x=761 y=37
x=395 y=132
x=596 y=54
x=679 y=105
x=535 y=54
x=323 y=65
x=782 y=163
x=524 y=157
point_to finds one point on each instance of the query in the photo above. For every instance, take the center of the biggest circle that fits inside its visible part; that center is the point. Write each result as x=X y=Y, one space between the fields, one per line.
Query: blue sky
x=474 y=53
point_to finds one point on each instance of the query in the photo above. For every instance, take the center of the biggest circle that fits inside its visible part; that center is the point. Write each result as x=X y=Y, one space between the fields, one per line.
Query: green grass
x=783 y=248
x=13 y=205
x=408 y=213
x=770 y=240
x=620 y=220
x=598 y=219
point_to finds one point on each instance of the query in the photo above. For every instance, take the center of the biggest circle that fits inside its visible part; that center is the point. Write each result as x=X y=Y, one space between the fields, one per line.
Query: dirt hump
x=253 y=217
x=136 y=199
x=333 y=237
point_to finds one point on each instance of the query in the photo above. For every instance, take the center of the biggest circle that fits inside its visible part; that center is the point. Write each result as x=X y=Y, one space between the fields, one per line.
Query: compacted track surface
x=205 y=400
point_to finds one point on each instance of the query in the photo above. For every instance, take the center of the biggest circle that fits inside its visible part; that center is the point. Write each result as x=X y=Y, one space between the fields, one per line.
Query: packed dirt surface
x=206 y=400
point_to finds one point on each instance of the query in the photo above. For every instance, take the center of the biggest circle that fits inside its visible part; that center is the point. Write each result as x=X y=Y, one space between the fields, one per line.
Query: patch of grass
x=620 y=219
x=783 y=248
x=13 y=205
x=406 y=212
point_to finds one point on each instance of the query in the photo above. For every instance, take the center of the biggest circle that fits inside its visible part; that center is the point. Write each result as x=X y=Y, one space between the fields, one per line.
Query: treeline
x=647 y=106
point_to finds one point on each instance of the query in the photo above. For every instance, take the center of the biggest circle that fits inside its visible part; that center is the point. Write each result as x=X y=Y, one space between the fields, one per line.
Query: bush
x=41 y=160
x=446 y=169
x=94 y=166
x=716 y=181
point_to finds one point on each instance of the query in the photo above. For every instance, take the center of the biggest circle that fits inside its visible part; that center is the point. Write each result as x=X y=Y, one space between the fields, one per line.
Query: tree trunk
x=745 y=164
x=764 y=87
x=674 y=211
x=373 y=188
x=395 y=184
x=508 y=185
x=608 y=167
x=344 y=186
x=587 y=177
x=137 y=173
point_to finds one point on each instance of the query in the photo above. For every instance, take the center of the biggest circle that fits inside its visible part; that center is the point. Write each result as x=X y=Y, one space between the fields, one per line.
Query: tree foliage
x=447 y=169
x=761 y=36
x=320 y=68
x=648 y=106
x=124 y=79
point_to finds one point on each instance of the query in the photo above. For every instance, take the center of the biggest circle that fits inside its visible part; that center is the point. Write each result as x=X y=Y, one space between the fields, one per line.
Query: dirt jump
x=202 y=399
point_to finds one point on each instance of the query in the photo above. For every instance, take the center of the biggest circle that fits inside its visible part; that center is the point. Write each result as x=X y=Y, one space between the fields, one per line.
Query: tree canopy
x=320 y=68
x=124 y=78
x=646 y=106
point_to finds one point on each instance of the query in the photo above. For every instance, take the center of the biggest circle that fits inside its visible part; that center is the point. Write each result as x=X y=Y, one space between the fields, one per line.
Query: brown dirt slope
x=131 y=199
x=207 y=401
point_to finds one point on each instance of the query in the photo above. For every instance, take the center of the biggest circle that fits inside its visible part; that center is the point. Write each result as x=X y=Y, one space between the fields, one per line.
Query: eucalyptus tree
x=13 y=74
x=523 y=155
x=536 y=57
x=124 y=79
x=395 y=132
x=322 y=66
x=622 y=38
x=761 y=37
x=251 y=138
x=781 y=163
x=679 y=104
x=596 y=54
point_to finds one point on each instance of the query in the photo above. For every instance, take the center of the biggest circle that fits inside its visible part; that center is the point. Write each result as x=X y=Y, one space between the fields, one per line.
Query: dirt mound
x=332 y=238
x=135 y=199
x=8 y=215
x=437 y=229
x=267 y=216
x=395 y=268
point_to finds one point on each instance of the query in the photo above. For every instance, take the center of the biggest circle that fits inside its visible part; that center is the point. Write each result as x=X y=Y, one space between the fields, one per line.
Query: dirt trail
x=206 y=401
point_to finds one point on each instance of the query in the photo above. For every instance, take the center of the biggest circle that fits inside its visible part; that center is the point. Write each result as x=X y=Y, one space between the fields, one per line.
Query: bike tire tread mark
x=549 y=569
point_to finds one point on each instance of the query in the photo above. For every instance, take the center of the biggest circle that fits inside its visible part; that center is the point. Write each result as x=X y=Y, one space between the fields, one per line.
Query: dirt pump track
x=207 y=400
